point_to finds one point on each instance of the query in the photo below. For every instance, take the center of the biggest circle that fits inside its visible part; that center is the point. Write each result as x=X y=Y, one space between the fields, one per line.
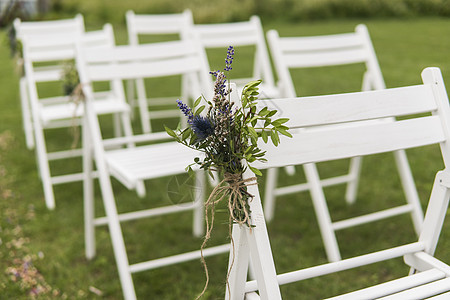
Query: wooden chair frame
x=133 y=164
x=425 y=120
x=73 y=27
x=41 y=114
x=316 y=51
x=155 y=24
x=246 y=33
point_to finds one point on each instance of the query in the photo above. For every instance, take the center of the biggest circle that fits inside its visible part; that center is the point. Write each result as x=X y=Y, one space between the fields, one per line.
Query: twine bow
x=235 y=188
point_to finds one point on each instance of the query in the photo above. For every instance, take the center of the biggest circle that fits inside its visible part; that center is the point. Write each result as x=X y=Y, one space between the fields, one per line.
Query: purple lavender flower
x=229 y=59
x=202 y=127
x=187 y=111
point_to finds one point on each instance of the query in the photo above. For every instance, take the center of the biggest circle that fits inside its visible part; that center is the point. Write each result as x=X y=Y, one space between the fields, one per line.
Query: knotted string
x=235 y=188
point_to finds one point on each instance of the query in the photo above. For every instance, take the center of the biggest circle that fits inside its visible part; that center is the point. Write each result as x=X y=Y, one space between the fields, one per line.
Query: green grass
x=53 y=240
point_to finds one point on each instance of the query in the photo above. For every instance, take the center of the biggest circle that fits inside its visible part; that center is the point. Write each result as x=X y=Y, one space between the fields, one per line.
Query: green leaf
x=170 y=132
x=263 y=111
x=197 y=102
x=274 y=137
x=255 y=170
x=199 y=110
x=186 y=133
x=252 y=132
x=264 y=136
x=280 y=121
x=284 y=132
x=252 y=84
x=271 y=113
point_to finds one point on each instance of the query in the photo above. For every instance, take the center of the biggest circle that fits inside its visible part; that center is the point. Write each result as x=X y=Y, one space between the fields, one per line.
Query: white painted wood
x=143 y=24
x=333 y=50
x=50 y=42
x=131 y=164
x=175 y=259
x=443 y=296
x=422 y=291
x=342 y=265
x=178 y=24
x=422 y=261
x=392 y=287
x=331 y=143
x=246 y=33
x=350 y=107
x=379 y=215
x=433 y=277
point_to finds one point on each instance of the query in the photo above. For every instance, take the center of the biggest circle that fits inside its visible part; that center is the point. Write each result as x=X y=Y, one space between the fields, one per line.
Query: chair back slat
x=154 y=51
x=235 y=34
x=357 y=124
x=143 y=69
x=351 y=107
x=321 y=51
x=56 y=47
x=141 y=24
x=147 y=61
x=319 y=43
x=325 y=58
x=331 y=143
x=248 y=33
x=67 y=26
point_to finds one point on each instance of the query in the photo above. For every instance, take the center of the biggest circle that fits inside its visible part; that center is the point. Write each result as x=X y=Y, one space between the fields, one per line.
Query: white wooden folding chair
x=334 y=50
x=140 y=26
x=146 y=161
x=72 y=27
x=44 y=56
x=425 y=120
x=242 y=34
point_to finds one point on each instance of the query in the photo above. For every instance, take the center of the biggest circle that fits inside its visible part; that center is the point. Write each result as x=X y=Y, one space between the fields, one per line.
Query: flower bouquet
x=227 y=133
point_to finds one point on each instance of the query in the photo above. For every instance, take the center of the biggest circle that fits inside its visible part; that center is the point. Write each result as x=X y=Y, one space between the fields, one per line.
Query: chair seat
x=68 y=110
x=151 y=161
x=418 y=286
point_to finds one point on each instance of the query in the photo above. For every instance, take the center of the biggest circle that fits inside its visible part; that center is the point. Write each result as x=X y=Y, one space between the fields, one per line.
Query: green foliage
x=237 y=140
x=70 y=77
x=404 y=48
x=206 y=11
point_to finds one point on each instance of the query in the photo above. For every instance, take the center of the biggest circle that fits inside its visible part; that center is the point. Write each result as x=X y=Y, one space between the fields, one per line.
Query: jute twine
x=234 y=187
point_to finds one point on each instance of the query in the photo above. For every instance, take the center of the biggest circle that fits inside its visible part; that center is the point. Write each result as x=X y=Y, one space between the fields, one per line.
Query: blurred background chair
x=72 y=27
x=290 y=53
x=340 y=133
x=148 y=28
x=247 y=37
x=152 y=158
x=47 y=56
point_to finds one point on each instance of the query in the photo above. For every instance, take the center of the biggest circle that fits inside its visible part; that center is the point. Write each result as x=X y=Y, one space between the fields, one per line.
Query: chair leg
x=254 y=241
x=44 y=168
x=199 y=212
x=237 y=264
x=88 y=196
x=116 y=235
x=26 y=115
x=409 y=188
x=352 y=185
x=322 y=213
x=269 y=195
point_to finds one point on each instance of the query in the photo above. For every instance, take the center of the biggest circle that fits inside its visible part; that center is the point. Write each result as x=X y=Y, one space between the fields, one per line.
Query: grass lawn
x=47 y=246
